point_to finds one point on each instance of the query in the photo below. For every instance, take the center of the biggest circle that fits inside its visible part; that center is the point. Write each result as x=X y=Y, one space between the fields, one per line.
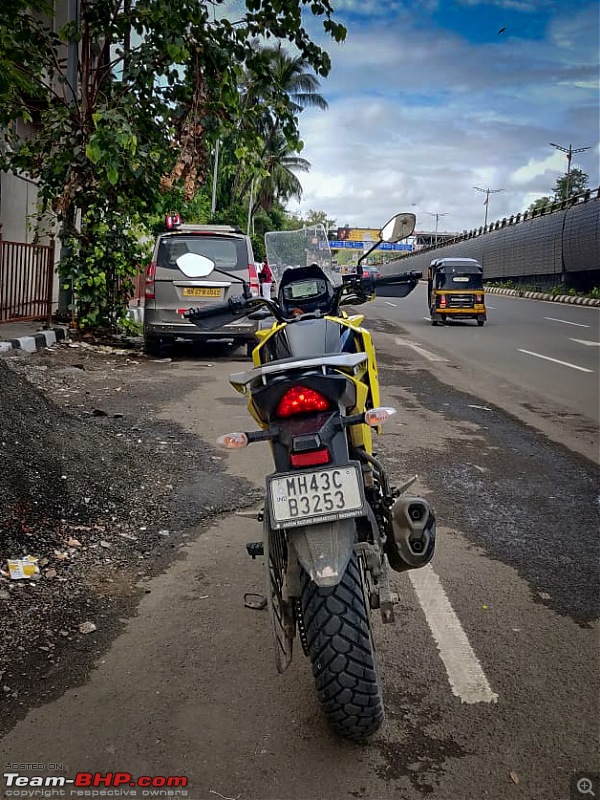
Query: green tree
x=540 y=204
x=320 y=218
x=270 y=169
x=158 y=83
x=570 y=185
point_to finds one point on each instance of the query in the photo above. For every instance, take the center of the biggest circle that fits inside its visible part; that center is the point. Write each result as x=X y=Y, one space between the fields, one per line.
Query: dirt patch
x=102 y=494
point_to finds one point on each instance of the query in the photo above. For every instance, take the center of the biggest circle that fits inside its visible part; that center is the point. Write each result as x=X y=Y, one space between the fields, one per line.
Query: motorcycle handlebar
x=399 y=277
x=204 y=313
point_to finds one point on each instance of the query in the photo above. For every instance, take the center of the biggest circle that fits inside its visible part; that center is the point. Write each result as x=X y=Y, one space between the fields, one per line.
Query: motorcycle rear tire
x=341 y=648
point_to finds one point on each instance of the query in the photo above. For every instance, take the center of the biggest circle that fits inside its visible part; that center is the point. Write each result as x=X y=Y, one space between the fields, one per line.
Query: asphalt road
x=547 y=348
x=189 y=688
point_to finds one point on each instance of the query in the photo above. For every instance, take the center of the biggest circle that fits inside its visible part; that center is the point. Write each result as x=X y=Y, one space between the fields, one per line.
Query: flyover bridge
x=560 y=245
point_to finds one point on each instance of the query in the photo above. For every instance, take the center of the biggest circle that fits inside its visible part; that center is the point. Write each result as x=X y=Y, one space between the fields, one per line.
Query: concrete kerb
x=38 y=341
x=559 y=298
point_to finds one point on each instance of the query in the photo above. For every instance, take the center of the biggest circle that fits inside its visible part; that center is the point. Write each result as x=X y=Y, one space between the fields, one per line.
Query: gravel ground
x=101 y=492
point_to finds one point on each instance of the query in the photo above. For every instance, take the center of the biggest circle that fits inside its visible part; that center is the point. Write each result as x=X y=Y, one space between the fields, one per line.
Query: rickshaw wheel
x=481 y=323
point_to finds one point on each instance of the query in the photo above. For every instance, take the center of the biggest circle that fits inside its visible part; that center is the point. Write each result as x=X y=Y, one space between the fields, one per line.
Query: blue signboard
x=349 y=245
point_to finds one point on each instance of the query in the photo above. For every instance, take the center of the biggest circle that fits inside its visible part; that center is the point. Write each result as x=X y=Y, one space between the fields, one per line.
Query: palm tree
x=278 y=76
x=281 y=184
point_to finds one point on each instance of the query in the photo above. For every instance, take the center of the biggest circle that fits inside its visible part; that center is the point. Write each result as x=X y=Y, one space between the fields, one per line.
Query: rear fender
x=324 y=550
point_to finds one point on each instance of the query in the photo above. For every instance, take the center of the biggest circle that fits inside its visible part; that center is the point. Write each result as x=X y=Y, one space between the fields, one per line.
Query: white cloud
x=421 y=117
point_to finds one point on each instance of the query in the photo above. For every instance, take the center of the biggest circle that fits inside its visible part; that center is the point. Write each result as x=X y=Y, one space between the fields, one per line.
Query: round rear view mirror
x=194 y=265
x=399 y=227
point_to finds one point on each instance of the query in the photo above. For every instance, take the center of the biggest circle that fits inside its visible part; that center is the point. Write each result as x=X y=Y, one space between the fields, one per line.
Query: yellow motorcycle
x=333 y=524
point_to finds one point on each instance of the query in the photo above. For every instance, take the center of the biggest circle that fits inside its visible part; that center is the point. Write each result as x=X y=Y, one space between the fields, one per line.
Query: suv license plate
x=307 y=498
x=201 y=291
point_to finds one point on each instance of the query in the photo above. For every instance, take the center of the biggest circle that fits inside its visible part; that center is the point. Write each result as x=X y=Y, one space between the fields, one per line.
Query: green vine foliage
x=158 y=84
x=100 y=266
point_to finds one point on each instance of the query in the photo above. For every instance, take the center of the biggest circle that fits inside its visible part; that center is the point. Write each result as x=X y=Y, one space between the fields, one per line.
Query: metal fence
x=26 y=281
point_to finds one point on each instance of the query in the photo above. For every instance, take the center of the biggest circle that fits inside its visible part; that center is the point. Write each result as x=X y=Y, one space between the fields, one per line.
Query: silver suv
x=170 y=291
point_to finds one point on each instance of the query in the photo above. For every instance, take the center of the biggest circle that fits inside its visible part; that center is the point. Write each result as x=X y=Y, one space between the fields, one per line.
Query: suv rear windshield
x=228 y=254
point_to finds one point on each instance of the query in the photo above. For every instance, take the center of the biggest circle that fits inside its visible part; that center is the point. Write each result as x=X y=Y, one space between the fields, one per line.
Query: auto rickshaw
x=455 y=290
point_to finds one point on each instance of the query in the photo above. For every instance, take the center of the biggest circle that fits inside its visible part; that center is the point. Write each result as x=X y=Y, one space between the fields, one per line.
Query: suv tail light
x=253 y=280
x=300 y=400
x=150 y=276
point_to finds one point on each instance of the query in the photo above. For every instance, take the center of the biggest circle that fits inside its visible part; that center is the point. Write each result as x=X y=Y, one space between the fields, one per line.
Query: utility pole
x=569 y=151
x=437 y=216
x=213 y=204
x=250 y=204
x=486 y=203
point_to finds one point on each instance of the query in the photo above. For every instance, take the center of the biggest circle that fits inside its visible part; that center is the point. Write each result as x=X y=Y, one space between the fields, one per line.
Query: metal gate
x=26 y=281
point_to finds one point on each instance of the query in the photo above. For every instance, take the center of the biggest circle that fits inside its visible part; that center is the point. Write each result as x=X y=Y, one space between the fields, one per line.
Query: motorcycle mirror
x=398 y=227
x=193 y=265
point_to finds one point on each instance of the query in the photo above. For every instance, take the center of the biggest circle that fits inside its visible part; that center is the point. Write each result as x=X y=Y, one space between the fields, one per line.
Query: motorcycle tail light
x=310 y=459
x=300 y=400
x=233 y=441
x=377 y=416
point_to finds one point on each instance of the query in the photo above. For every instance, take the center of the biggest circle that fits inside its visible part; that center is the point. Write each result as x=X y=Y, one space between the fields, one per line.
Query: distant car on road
x=373 y=272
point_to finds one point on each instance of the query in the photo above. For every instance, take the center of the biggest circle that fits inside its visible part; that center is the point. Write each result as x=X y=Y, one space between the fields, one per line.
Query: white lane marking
x=466 y=676
x=395 y=305
x=584 y=341
x=420 y=350
x=555 y=360
x=427 y=318
x=492 y=307
x=566 y=322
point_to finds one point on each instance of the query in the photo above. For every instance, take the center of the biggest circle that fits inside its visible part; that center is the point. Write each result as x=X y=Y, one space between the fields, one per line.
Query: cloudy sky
x=427 y=99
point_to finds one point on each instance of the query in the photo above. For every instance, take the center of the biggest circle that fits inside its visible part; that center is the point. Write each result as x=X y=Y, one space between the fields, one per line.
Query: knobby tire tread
x=341 y=650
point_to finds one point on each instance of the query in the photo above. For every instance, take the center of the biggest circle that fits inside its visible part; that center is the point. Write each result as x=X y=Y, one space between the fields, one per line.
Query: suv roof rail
x=216 y=228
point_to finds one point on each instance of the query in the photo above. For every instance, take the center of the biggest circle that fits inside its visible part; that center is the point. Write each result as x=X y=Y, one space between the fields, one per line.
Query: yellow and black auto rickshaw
x=455 y=290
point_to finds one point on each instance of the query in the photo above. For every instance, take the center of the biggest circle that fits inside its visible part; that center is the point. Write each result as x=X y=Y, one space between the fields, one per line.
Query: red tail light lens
x=150 y=276
x=253 y=280
x=443 y=301
x=479 y=298
x=311 y=459
x=300 y=400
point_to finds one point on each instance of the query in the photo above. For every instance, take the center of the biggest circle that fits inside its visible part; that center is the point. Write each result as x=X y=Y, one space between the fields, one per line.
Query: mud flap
x=324 y=550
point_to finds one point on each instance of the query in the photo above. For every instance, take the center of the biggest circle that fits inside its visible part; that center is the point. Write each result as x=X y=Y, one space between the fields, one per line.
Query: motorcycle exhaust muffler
x=413 y=526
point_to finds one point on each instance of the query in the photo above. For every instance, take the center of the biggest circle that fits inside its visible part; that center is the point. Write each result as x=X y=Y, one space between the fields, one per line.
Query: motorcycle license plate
x=322 y=495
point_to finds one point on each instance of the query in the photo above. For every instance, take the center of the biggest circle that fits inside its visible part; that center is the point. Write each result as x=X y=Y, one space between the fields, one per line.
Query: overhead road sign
x=350 y=245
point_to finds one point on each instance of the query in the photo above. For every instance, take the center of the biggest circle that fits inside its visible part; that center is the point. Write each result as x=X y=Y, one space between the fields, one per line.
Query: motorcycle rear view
x=332 y=524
